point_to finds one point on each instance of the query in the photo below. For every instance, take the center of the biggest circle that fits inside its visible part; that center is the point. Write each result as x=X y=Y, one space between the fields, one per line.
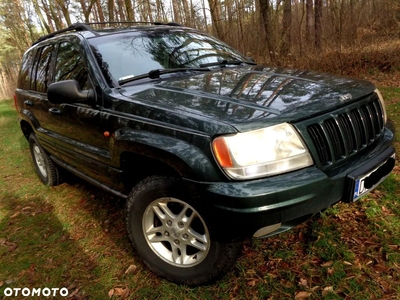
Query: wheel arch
x=26 y=128
x=151 y=153
x=137 y=166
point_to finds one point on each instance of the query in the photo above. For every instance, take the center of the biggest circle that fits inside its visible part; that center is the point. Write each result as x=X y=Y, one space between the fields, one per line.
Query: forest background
x=73 y=235
x=351 y=37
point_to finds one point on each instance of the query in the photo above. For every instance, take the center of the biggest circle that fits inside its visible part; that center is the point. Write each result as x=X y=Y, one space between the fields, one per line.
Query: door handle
x=28 y=102
x=55 y=111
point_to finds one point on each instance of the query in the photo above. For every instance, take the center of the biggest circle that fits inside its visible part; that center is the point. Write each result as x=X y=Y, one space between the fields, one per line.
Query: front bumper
x=236 y=210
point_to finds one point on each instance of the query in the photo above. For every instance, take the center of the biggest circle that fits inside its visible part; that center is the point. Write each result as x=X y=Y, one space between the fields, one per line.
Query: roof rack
x=73 y=27
x=87 y=27
x=133 y=22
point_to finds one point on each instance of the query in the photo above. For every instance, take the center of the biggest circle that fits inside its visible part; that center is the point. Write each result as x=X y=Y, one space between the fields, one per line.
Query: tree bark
x=175 y=7
x=287 y=27
x=265 y=10
x=100 y=11
x=215 y=17
x=110 y=5
x=309 y=20
x=318 y=24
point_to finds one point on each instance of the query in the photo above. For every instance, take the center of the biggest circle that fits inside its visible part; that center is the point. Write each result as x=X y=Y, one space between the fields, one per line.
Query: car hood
x=252 y=97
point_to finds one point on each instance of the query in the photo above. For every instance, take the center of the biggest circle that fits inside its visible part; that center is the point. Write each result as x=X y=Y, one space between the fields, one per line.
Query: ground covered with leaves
x=73 y=236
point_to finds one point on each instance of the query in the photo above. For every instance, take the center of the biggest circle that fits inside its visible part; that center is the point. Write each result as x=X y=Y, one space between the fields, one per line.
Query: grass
x=73 y=236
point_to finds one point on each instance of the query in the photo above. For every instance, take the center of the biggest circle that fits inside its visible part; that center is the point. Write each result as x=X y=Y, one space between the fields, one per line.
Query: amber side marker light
x=222 y=153
x=15 y=102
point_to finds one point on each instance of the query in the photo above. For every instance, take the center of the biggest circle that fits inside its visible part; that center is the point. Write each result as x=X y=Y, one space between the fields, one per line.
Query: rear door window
x=43 y=75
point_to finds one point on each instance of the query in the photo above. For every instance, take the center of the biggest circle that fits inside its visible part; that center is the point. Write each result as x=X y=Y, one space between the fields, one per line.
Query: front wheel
x=171 y=235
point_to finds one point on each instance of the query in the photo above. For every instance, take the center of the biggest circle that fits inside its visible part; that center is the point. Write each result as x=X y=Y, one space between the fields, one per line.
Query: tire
x=47 y=171
x=171 y=236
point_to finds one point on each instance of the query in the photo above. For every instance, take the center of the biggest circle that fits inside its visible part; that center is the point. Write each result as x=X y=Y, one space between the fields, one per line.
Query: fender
x=185 y=158
x=28 y=116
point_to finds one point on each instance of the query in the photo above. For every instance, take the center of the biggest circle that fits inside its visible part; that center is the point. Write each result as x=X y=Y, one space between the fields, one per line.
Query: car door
x=75 y=129
x=32 y=91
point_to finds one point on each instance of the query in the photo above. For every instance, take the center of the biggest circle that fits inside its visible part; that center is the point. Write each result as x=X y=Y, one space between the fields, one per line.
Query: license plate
x=367 y=182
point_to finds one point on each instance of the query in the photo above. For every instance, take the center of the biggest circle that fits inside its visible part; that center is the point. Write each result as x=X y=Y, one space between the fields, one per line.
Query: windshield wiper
x=227 y=62
x=154 y=74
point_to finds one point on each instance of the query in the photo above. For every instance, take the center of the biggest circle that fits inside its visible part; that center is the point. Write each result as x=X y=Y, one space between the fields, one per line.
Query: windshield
x=134 y=53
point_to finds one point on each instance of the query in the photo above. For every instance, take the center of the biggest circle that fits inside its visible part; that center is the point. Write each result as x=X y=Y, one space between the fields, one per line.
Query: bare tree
x=286 y=27
x=215 y=11
x=318 y=24
x=265 y=10
x=309 y=20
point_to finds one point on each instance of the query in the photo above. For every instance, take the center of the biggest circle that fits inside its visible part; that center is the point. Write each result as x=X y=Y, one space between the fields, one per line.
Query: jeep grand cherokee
x=207 y=147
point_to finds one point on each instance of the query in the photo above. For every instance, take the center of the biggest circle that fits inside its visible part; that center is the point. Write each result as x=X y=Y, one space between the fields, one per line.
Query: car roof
x=101 y=28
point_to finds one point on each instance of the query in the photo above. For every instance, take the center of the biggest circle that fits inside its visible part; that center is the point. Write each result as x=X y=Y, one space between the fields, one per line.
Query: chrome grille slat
x=339 y=136
x=347 y=127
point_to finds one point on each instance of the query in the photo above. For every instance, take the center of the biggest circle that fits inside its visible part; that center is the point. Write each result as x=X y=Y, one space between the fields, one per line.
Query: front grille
x=340 y=136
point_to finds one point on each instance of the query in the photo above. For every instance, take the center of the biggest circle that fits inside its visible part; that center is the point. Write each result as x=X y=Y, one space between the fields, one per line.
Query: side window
x=24 y=81
x=70 y=64
x=42 y=69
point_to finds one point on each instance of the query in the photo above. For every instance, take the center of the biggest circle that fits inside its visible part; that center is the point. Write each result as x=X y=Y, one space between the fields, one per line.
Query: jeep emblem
x=345 y=97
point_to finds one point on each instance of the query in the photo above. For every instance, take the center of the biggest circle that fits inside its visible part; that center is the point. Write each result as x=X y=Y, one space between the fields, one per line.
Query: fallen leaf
x=111 y=293
x=71 y=286
x=74 y=293
x=11 y=246
x=1 y=283
x=303 y=282
x=15 y=215
x=251 y=283
x=125 y=293
x=131 y=269
x=327 y=264
x=118 y=291
x=327 y=290
x=302 y=295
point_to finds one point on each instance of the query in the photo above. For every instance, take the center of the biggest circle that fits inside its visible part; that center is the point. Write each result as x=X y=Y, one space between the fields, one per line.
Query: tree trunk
x=175 y=7
x=110 y=6
x=265 y=10
x=40 y=15
x=287 y=27
x=318 y=24
x=129 y=10
x=309 y=20
x=215 y=17
x=205 y=15
x=187 y=14
x=100 y=11
x=63 y=6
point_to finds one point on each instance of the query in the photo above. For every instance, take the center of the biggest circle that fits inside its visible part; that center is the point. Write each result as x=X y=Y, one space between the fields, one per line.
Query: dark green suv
x=207 y=147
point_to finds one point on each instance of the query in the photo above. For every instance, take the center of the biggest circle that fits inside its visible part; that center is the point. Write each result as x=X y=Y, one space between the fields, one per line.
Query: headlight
x=264 y=152
x=382 y=104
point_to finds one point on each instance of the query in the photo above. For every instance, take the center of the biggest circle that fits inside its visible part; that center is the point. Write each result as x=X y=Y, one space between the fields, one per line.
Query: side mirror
x=68 y=91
